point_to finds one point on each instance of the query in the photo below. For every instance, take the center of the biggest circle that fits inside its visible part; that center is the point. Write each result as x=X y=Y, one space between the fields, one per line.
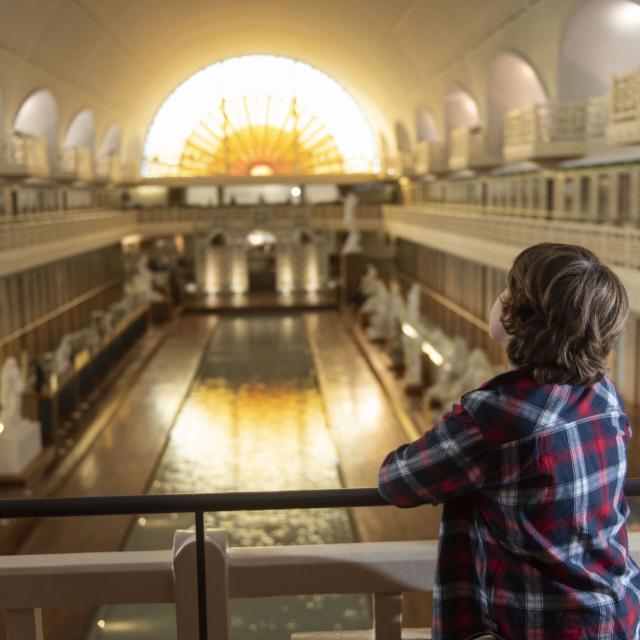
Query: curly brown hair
x=564 y=311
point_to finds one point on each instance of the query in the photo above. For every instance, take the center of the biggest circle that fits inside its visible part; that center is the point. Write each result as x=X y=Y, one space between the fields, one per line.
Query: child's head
x=561 y=313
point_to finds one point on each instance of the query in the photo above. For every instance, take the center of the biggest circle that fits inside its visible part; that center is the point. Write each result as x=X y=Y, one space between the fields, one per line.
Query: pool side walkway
x=365 y=427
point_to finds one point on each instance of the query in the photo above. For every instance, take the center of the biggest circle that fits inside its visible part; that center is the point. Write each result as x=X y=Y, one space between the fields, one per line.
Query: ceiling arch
x=81 y=131
x=123 y=58
x=601 y=38
x=512 y=82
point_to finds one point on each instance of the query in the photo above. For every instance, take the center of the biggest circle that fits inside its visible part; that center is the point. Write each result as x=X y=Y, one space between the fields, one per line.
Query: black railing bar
x=201 y=577
x=206 y=502
x=190 y=503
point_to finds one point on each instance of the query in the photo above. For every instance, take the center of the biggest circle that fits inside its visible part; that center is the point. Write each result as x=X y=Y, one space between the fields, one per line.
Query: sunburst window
x=259 y=116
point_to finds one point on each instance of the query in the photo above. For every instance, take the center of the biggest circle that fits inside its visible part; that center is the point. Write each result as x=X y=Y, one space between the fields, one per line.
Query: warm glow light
x=258 y=237
x=296 y=192
x=261 y=170
x=409 y=331
x=142 y=522
x=434 y=355
x=625 y=15
x=271 y=110
x=101 y=623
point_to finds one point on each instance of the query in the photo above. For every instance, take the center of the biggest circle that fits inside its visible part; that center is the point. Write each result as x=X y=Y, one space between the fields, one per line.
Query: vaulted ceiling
x=123 y=57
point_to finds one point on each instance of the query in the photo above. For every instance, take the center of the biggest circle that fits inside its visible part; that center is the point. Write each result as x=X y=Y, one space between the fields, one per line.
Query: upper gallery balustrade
x=24 y=155
x=27 y=230
x=545 y=131
x=430 y=157
x=75 y=164
x=474 y=148
x=615 y=245
x=624 y=114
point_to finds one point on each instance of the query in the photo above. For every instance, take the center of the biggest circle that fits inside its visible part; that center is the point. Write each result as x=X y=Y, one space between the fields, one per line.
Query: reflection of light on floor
x=240 y=430
x=363 y=409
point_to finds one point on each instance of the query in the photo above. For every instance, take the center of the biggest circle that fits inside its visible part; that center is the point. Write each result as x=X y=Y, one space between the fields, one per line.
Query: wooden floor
x=365 y=427
x=122 y=459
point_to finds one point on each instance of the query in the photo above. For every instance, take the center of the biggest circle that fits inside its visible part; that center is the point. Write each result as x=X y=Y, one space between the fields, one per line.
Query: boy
x=530 y=467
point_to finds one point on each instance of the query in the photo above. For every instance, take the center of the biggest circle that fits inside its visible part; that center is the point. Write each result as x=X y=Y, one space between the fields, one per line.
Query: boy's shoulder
x=505 y=404
x=513 y=405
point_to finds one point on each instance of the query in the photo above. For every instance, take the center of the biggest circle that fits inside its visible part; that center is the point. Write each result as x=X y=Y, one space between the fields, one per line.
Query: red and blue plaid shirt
x=533 y=540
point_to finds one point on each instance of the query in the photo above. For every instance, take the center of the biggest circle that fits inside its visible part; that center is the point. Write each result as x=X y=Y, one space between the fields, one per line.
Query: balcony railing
x=624 y=114
x=618 y=246
x=474 y=148
x=36 y=229
x=597 y=119
x=201 y=573
x=430 y=157
x=24 y=155
x=75 y=163
x=107 y=169
x=545 y=131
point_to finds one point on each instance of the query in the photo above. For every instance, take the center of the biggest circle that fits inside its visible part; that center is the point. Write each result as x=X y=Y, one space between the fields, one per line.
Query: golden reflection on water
x=255 y=437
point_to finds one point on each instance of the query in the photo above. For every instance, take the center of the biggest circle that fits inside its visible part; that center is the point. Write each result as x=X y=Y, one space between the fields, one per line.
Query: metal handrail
x=191 y=503
x=199 y=504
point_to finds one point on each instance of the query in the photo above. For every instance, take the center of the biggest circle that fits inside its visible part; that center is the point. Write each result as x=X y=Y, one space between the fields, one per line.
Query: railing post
x=387 y=616
x=186 y=586
x=24 y=624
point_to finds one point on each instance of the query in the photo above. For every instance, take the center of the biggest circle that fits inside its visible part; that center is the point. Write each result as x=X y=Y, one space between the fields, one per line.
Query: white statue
x=477 y=370
x=62 y=359
x=353 y=242
x=377 y=308
x=21 y=438
x=141 y=284
x=455 y=363
x=12 y=387
x=412 y=346
x=367 y=280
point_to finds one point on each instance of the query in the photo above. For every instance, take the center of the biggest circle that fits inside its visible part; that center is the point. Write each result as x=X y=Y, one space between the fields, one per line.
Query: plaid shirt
x=533 y=540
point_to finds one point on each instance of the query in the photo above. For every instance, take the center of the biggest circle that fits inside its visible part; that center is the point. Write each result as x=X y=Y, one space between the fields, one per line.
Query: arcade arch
x=602 y=38
x=511 y=83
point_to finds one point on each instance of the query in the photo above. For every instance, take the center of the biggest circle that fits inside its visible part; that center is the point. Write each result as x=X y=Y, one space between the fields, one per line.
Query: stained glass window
x=260 y=116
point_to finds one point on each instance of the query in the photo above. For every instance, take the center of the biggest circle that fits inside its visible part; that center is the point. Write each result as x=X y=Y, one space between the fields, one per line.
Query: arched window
x=259 y=115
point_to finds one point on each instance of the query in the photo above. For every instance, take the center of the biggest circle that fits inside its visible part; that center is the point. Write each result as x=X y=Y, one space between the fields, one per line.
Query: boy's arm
x=449 y=460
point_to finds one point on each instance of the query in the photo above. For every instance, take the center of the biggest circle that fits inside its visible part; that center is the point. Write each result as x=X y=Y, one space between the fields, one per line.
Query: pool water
x=252 y=421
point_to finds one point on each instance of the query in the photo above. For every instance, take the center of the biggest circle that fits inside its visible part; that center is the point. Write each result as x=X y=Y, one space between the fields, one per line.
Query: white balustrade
x=108 y=168
x=545 y=130
x=597 y=118
x=24 y=155
x=76 y=162
x=474 y=148
x=430 y=157
x=618 y=246
x=624 y=111
x=36 y=229
x=384 y=569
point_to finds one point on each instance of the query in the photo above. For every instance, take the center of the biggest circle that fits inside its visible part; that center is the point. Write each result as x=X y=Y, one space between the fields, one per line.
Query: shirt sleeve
x=450 y=460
